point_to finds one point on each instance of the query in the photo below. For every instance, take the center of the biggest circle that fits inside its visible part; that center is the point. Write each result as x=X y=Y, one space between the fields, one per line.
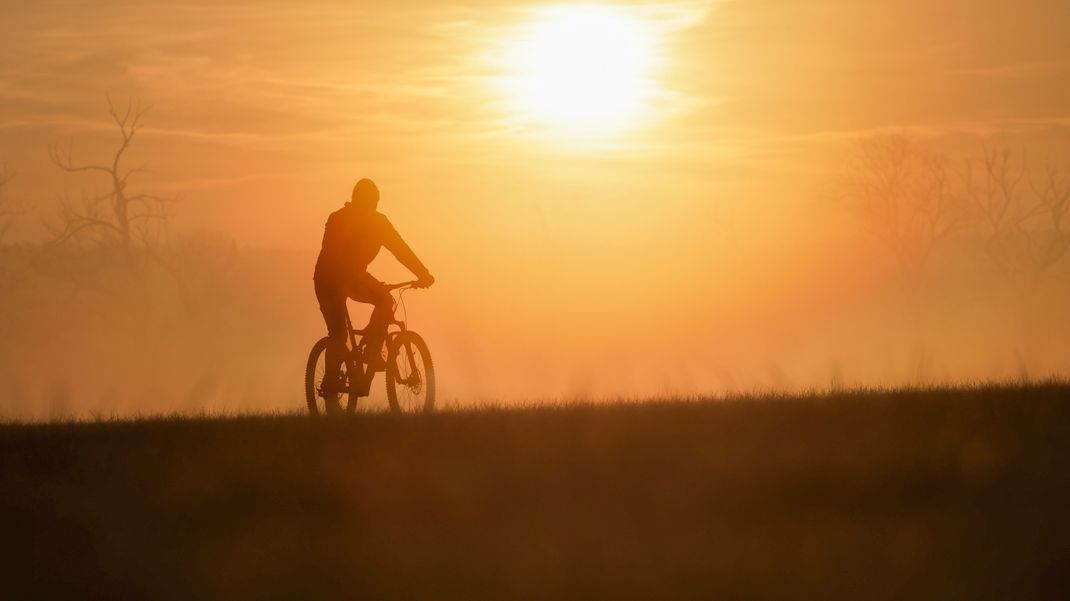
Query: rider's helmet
x=366 y=195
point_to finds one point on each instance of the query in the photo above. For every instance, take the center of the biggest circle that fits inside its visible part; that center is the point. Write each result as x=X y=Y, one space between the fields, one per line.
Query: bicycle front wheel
x=321 y=397
x=410 y=375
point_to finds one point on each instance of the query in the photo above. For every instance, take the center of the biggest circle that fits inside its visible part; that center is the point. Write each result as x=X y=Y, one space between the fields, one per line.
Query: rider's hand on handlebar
x=425 y=281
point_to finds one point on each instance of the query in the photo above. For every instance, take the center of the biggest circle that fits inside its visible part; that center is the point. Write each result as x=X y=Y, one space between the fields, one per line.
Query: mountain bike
x=410 y=375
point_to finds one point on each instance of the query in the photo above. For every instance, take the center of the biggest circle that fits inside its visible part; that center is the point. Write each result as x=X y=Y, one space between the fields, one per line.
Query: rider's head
x=366 y=195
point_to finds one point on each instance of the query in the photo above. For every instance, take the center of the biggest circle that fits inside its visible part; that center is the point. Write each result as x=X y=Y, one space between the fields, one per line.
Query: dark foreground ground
x=933 y=495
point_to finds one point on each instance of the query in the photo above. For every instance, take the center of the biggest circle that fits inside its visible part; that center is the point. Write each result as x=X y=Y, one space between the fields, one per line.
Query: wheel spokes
x=409 y=378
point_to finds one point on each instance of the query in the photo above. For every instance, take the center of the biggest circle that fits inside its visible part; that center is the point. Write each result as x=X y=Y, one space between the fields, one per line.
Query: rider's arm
x=396 y=245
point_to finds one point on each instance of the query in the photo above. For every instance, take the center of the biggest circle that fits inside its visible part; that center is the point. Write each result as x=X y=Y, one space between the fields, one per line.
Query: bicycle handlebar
x=411 y=284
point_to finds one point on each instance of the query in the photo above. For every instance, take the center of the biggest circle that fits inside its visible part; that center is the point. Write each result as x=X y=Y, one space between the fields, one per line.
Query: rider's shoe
x=376 y=362
x=334 y=386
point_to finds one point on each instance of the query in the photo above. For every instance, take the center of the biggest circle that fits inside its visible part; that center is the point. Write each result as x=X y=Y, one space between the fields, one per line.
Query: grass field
x=942 y=494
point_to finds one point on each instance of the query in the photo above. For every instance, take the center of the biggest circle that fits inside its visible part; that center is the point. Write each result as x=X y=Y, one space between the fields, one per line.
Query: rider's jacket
x=352 y=238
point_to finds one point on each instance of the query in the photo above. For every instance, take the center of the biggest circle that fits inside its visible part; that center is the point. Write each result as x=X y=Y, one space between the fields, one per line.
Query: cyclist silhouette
x=352 y=238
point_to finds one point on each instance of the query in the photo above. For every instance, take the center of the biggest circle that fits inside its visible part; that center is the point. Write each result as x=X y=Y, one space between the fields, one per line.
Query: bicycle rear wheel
x=327 y=402
x=410 y=375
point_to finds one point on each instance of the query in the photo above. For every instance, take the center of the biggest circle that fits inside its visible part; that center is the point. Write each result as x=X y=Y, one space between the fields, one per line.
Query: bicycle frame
x=365 y=373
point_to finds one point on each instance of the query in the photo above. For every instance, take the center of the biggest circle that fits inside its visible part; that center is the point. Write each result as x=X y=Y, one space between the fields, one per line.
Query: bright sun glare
x=586 y=68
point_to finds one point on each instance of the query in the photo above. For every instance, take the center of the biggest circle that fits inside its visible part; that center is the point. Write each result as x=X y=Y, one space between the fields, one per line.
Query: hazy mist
x=721 y=244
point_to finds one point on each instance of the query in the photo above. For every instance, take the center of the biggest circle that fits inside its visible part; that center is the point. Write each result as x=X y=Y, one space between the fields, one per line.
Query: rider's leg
x=375 y=292
x=333 y=306
x=377 y=325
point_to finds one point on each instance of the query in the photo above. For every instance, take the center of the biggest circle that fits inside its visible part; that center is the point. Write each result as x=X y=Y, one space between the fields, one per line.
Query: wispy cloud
x=317 y=80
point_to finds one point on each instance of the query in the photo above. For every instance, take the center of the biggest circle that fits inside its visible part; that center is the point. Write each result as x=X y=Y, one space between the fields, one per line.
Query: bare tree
x=901 y=189
x=115 y=216
x=1024 y=215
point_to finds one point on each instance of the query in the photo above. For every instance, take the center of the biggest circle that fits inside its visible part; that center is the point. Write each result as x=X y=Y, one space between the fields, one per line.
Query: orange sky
x=279 y=106
x=264 y=114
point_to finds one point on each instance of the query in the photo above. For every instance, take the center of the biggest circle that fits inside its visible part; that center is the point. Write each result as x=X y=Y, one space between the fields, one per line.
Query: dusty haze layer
x=710 y=246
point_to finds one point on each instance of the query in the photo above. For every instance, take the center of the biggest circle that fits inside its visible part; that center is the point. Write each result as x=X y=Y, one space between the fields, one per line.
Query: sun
x=584 y=68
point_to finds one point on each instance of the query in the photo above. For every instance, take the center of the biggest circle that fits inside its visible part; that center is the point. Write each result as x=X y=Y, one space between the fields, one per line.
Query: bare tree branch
x=1025 y=235
x=63 y=158
x=901 y=189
